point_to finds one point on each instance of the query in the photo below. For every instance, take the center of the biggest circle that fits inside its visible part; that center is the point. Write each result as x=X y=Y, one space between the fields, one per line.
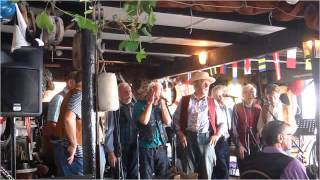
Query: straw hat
x=202 y=75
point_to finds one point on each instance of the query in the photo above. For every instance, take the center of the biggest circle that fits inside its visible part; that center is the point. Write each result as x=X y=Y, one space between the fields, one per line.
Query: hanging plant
x=43 y=22
x=131 y=25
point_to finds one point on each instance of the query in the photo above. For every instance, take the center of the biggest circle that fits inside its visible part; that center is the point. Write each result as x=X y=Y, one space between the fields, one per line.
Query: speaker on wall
x=21 y=82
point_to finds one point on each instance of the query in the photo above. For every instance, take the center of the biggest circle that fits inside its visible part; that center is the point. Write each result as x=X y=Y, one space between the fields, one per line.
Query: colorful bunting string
x=291 y=58
x=277 y=64
x=247 y=66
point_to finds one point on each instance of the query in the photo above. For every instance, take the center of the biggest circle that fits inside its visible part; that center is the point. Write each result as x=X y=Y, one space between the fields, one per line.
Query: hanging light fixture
x=203 y=57
x=292 y=2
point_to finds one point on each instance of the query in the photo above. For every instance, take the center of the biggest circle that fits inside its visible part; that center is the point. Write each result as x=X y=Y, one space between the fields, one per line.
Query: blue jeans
x=76 y=167
x=154 y=161
x=58 y=155
x=198 y=157
x=221 y=170
x=102 y=160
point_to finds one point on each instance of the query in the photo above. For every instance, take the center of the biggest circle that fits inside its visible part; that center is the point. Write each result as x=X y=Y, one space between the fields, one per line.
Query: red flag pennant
x=291 y=58
x=247 y=66
x=277 y=64
x=222 y=69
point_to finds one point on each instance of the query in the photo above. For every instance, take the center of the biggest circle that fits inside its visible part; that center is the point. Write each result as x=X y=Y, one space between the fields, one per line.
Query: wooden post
x=88 y=113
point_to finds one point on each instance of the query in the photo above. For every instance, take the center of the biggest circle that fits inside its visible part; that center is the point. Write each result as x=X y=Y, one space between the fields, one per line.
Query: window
x=308 y=100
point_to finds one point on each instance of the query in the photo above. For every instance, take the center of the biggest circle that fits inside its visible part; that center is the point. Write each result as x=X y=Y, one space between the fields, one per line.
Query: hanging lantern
x=108 y=98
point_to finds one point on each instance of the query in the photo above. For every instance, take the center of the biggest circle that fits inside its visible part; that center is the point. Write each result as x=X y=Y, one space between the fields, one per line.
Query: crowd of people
x=134 y=137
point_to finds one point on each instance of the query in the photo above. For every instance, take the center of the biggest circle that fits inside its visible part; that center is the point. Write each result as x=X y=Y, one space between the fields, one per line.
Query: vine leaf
x=89 y=11
x=141 y=55
x=84 y=23
x=145 y=31
x=43 y=22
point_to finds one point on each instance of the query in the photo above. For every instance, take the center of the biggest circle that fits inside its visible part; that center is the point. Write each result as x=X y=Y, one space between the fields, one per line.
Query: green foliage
x=141 y=55
x=84 y=23
x=44 y=22
x=145 y=31
x=134 y=27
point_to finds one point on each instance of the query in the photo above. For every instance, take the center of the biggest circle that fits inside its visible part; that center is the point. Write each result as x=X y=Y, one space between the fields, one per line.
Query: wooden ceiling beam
x=262 y=19
x=280 y=40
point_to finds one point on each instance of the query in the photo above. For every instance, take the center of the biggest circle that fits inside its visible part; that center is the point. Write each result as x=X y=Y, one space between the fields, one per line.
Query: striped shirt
x=74 y=104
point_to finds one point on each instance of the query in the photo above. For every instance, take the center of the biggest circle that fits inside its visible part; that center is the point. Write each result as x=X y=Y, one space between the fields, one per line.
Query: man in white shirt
x=223 y=120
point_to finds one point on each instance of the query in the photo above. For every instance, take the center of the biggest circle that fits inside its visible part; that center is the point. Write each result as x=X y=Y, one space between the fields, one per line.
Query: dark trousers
x=129 y=163
x=221 y=170
x=253 y=150
x=154 y=161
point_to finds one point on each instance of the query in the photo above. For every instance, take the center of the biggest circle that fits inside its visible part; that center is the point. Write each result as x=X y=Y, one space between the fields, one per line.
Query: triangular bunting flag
x=215 y=70
x=291 y=58
x=234 y=72
x=308 y=64
x=262 y=65
x=277 y=64
x=247 y=66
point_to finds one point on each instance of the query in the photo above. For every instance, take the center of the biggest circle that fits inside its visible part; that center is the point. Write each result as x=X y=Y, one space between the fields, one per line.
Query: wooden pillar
x=88 y=113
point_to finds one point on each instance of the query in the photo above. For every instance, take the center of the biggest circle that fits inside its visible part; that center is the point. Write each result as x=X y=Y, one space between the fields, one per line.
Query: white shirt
x=223 y=119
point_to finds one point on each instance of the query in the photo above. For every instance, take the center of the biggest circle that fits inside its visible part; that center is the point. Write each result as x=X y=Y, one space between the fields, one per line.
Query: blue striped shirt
x=74 y=104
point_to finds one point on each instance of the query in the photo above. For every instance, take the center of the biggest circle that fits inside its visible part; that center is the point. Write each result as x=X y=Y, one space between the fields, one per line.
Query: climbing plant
x=139 y=20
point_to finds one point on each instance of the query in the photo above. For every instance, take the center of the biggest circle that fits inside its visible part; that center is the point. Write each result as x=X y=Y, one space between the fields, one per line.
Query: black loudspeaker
x=21 y=82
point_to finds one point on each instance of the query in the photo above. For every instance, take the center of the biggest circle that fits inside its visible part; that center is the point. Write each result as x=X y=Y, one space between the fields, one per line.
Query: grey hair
x=217 y=88
x=153 y=84
x=271 y=131
x=247 y=87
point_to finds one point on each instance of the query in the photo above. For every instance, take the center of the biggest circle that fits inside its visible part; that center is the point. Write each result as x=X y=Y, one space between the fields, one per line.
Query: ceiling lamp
x=292 y=2
x=203 y=57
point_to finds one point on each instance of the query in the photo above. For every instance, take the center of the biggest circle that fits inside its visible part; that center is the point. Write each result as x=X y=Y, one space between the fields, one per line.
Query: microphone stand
x=250 y=133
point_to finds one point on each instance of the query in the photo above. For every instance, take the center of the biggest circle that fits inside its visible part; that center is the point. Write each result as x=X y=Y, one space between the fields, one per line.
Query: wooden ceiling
x=183 y=29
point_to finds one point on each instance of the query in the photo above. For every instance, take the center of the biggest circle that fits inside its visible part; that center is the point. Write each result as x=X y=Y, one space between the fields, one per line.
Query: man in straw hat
x=194 y=121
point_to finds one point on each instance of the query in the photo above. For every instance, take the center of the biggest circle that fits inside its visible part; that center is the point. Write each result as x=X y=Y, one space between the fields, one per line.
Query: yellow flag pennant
x=308 y=64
